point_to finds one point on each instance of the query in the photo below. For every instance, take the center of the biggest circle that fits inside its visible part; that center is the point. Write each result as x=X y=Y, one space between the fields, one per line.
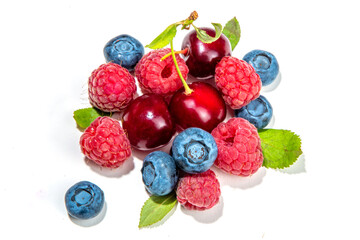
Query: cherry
x=148 y=123
x=201 y=58
x=202 y=107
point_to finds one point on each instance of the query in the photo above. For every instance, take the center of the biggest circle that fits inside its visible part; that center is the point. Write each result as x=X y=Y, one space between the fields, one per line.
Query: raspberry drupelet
x=239 y=147
x=105 y=143
x=111 y=87
x=198 y=191
x=160 y=76
x=237 y=81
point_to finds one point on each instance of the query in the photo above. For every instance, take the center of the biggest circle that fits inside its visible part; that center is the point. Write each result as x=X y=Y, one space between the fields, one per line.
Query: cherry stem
x=188 y=90
x=184 y=52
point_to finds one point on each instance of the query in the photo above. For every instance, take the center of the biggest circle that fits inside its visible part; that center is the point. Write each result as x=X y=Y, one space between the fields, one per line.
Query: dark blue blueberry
x=258 y=112
x=194 y=150
x=124 y=50
x=265 y=64
x=84 y=200
x=159 y=173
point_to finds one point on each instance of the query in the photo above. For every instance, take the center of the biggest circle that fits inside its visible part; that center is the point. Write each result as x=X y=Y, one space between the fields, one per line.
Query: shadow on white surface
x=238 y=181
x=206 y=216
x=297 y=167
x=141 y=154
x=273 y=85
x=124 y=169
x=230 y=113
x=271 y=123
x=117 y=116
x=92 y=221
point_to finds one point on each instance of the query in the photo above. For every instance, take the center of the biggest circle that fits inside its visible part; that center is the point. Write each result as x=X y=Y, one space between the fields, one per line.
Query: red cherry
x=203 y=107
x=203 y=57
x=148 y=123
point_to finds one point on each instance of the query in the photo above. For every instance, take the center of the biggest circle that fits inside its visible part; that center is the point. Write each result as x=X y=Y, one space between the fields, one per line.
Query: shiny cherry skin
x=203 y=108
x=201 y=58
x=148 y=123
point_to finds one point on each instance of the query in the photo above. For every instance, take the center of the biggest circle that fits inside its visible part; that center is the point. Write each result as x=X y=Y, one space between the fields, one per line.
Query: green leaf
x=281 y=148
x=205 y=38
x=156 y=208
x=84 y=117
x=164 y=38
x=232 y=32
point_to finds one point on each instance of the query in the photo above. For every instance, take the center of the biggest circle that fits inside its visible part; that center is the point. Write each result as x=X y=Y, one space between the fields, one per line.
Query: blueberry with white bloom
x=84 y=200
x=124 y=50
x=159 y=173
x=258 y=112
x=265 y=64
x=194 y=150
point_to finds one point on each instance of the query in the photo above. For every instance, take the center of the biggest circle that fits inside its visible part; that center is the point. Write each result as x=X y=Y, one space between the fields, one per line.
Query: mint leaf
x=156 y=208
x=164 y=38
x=232 y=32
x=204 y=37
x=281 y=148
x=84 y=117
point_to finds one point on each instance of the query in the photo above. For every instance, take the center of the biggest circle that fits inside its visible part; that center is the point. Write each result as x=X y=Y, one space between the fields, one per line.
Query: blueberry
x=258 y=112
x=159 y=173
x=84 y=200
x=265 y=64
x=194 y=150
x=124 y=50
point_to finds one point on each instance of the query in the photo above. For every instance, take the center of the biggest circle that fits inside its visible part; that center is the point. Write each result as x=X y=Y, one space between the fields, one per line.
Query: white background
x=48 y=50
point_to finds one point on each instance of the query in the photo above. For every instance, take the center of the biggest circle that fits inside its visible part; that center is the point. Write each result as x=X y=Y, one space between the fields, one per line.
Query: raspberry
x=105 y=143
x=198 y=191
x=111 y=87
x=157 y=76
x=239 y=147
x=238 y=81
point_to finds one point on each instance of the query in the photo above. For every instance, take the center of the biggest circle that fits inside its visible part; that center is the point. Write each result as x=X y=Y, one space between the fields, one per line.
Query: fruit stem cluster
x=187 y=22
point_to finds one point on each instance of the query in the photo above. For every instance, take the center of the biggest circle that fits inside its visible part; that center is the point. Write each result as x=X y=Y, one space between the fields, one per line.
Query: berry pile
x=193 y=115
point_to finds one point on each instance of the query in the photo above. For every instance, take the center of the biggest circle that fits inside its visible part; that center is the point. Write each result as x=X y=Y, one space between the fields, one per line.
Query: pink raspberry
x=239 y=147
x=111 y=87
x=238 y=81
x=105 y=143
x=198 y=191
x=158 y=76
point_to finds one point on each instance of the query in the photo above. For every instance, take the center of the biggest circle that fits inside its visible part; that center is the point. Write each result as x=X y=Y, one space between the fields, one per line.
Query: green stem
x=184 y=51
x=188 y=90
x=194 y=26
